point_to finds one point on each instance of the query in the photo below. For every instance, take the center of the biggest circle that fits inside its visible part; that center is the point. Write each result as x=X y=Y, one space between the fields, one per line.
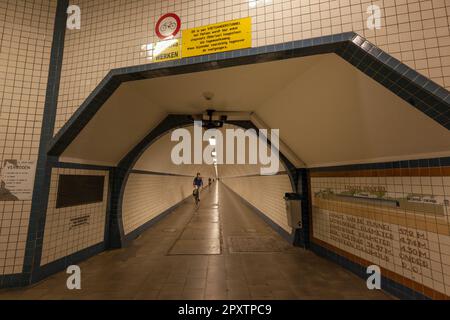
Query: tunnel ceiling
x=328 y=112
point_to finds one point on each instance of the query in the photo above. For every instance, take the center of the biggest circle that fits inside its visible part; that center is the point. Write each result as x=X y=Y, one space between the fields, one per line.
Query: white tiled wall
x=60 y=239
x=146 y=196
x=265 y=193
x=114 y=32
x=26 y=30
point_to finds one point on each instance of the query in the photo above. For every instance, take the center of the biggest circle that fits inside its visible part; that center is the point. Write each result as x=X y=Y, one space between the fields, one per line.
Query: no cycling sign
x=213 y=38
x=168 y=26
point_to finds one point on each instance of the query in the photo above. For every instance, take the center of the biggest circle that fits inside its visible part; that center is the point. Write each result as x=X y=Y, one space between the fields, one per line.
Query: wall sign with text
x=17 y=180
x=213 y=38
x=218 y=37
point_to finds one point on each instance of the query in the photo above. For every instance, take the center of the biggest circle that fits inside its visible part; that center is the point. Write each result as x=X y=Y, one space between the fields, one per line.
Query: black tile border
x=279 y=173
x=41 y=187
x=72 y=259
x=396 y=289
x=41 y=272
x=116 y=235
x=291 y=238
x=155 y=173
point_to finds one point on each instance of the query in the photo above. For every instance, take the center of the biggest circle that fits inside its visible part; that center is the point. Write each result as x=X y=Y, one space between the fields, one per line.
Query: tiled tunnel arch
x=116 y=235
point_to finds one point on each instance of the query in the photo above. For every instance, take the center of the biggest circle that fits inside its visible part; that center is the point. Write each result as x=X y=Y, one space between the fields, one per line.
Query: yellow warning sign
x=166 y=50
x=218 y=37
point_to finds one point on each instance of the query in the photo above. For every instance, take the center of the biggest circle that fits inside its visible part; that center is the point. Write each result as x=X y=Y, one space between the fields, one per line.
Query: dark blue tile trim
x=396 y=289
x=14 y=280
x=80 y=166
x=33 y=246
x=283 y=233
x=128 y=239
x=420 y=92
x=61 y=264
x=21 y=280
x=388 y=285
x=404 y=164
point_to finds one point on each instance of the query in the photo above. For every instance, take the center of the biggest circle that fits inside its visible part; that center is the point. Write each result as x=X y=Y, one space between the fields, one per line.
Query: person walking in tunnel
x=197 y=184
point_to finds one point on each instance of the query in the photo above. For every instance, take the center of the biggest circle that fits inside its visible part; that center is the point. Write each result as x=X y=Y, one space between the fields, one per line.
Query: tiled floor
x=164 y=263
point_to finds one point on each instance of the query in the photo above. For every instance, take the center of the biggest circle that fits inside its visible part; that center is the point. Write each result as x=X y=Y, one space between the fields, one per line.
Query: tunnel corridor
x=178 y=258
x=329 y=144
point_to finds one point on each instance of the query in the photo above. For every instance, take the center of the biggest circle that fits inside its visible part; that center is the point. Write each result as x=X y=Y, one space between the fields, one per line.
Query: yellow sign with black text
x=218 y=37
x=166 y=50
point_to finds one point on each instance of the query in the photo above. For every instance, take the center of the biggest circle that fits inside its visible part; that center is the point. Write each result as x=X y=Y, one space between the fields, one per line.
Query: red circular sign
x=168 y=26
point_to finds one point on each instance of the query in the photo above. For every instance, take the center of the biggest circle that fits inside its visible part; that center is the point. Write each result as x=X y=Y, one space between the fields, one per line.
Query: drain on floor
x=249 y=230
x=257 y=244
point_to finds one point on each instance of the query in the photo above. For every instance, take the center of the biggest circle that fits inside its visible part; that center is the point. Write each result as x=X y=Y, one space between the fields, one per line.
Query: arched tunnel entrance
x=349 y=149
x=155 y=160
